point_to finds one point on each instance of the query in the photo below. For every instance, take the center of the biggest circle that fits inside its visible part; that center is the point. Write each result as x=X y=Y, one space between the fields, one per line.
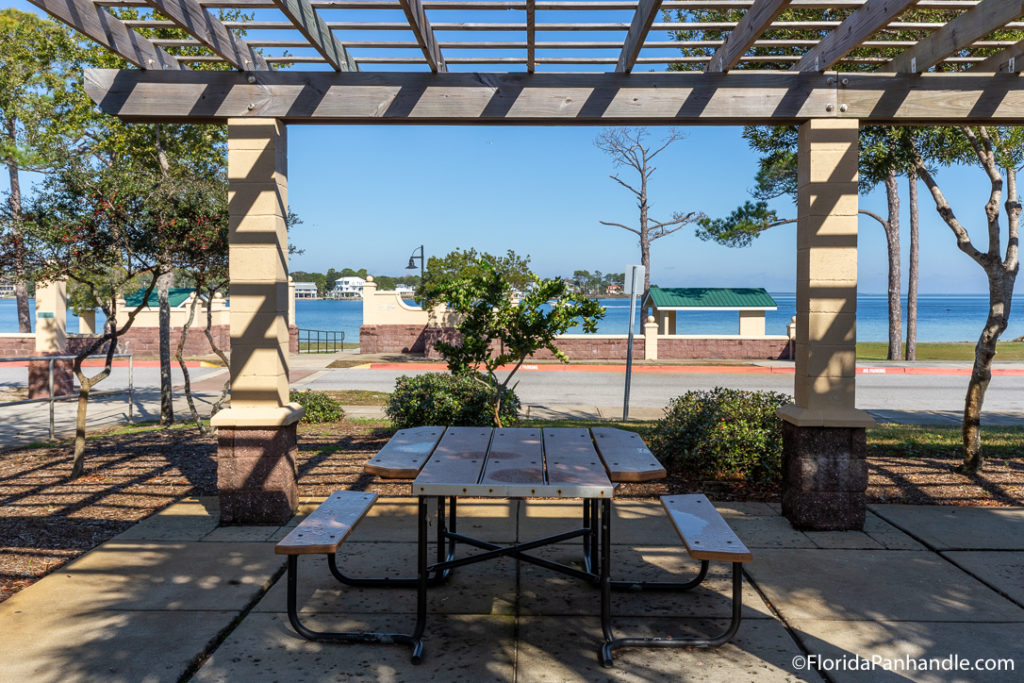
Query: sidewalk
x=176 y=596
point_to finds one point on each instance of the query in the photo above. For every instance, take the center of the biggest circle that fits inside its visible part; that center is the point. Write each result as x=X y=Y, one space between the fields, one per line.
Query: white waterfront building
x=350 y=287
x=305 y=290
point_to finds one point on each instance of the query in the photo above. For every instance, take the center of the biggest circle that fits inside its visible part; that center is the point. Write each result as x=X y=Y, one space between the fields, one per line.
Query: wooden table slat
x=625 y=455
x=572 y=459
x=403 y=456
x=458 y=459
x=516 y=456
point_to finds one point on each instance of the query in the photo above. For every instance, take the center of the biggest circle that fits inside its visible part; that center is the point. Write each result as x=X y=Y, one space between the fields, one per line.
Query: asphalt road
x=874 y=392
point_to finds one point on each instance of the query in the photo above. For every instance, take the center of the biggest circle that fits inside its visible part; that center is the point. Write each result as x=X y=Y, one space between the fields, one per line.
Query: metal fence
x=51 y=399
x=321 y=341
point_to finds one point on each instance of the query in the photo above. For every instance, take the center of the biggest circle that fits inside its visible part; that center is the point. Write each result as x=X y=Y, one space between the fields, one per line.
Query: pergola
x=951 y=72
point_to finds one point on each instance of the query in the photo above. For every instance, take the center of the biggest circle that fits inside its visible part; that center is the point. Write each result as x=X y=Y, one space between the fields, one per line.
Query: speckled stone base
x=256 y=474
x=824 y=477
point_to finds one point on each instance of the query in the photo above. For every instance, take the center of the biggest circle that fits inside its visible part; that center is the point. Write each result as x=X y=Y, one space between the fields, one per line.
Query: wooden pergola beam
x=211 y=32
x=306 y=19
x=756 y=20
x=643 y=19
x=417 y=17
x=679 y=98
x=100 y=25
x=975 y=23
x=1009 y=60
x=531 y=35
x=872 y=16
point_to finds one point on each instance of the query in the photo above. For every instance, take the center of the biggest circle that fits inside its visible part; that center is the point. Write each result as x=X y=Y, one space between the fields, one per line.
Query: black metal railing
x=321 y=341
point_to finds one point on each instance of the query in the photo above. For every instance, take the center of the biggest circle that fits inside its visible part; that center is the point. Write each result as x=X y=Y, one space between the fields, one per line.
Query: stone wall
x=17 y=344
x=144 y=342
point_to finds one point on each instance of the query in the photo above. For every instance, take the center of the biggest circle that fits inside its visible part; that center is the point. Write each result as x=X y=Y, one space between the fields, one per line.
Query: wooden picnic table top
x=515 y=462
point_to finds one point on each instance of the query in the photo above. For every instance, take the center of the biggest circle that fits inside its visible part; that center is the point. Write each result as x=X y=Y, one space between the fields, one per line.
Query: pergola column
x=256 y=447
x=824 y=466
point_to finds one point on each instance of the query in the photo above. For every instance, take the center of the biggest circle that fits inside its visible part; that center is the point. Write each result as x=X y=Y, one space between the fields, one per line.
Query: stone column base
x=39 y=376
x=824 y=477
x=256 y=474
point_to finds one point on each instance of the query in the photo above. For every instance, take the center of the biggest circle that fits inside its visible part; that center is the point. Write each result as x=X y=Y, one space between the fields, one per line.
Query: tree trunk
x=912 y=276
x=892 y=242
x=226 y=391
x=184 y=369
x=14 y=200
x=1000 y=289
x=85 y=385
x=163 y=284
x=645 y=235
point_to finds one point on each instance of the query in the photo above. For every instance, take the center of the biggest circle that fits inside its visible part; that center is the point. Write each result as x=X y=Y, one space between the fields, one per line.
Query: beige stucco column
x=51 y=340
x=650 y=339
x=824 y=470
x=256 y=449
x=751 y=323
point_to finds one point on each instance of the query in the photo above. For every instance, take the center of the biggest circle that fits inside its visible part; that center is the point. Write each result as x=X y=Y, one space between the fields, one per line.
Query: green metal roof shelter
x=751 y=302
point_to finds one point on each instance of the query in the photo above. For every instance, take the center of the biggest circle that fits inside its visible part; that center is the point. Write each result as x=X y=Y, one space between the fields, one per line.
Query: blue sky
x=369 y=195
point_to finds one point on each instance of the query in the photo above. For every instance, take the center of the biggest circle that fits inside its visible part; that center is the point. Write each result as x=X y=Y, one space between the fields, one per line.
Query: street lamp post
x=412 y=261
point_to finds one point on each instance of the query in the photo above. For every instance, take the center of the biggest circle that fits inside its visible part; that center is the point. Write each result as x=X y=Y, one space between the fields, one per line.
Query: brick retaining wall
x=142 y=342
x=419 y=339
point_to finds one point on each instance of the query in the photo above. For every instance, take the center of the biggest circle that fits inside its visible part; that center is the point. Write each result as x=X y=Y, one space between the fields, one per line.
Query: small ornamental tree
x=499 y=331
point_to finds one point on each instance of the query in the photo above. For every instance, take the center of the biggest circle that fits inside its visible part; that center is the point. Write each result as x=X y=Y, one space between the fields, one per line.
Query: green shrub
x=445 y=399
x=722 y=433
x=320 y=407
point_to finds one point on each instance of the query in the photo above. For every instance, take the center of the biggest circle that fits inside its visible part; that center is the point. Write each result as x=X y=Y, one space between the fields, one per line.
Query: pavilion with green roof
x=750 y=302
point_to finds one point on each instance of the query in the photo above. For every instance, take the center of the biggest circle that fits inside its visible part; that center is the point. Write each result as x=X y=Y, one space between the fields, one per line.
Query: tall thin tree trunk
x=14 y=200
x=164 y=282
x=912 y=275
x=85 y=385
x=645 y=235
x=892 y=242
x=226 y=391
x=180 y=355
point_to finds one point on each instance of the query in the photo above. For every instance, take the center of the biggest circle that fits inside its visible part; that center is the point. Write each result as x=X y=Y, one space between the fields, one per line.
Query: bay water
x=940 y=318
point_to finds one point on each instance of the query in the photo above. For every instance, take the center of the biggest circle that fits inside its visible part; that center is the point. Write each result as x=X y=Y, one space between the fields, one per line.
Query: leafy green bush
x=320 y=407
x=445 y=399
x=722 y=433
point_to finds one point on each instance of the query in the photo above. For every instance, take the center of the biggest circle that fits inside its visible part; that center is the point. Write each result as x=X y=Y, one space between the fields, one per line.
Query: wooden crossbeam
x=643 y=19
x=955 y=35
x=417 y=17
x=1009 y=60
x=531 y=35
x=211 y=32
x=670 y=98
x=750 y=27
x=872 y=16
x=319 y=35
x=100 y=25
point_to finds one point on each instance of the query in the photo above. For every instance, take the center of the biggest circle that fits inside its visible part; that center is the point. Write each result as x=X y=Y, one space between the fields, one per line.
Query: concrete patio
x=177 y=597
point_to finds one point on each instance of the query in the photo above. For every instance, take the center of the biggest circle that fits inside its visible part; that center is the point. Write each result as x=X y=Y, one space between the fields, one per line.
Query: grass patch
x=962 y=351
x=360 y=397
x=928 y=441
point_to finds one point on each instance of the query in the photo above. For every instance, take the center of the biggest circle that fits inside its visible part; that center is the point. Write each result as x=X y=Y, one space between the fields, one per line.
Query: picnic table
x=448 y=464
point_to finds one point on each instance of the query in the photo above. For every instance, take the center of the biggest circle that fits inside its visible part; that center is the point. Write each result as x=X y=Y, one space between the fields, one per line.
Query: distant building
x=305 y=290
x=613 y=289
x=6 y=290
x=350 y=287
x=405 y=290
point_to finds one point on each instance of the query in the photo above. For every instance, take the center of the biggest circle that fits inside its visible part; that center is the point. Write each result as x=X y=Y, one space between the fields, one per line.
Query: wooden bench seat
x=707 y=537
x=327 y=527
x=322 y=533
x=625 y=456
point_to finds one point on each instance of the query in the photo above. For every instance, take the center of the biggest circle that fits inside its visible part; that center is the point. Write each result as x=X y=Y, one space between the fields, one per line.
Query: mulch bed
x=45 y=520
